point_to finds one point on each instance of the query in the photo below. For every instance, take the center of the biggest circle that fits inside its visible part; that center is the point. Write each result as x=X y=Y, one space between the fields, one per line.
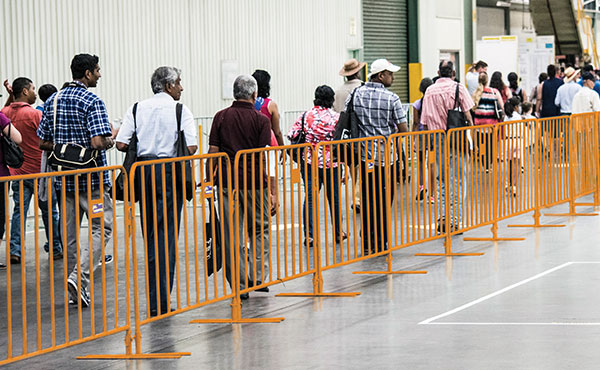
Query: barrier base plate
x=240 y=321
x=537 y=225
x=343 y=294
x=140 y=356
x=448 y=254
x=493 y=239
x=388 y=272
x=586 y=204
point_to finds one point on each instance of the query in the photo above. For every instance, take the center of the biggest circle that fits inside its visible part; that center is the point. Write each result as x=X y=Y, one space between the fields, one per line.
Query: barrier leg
x=494 y=237
x=389 y=270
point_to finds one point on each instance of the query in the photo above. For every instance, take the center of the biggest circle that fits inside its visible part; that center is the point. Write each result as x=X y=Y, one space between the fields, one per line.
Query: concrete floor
x=522 y=305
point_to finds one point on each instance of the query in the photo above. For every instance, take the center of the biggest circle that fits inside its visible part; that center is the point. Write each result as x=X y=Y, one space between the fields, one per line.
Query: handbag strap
x=54 y=114
x=456 y=97
x=178 y=110
x=134 y=118
x=303 y=116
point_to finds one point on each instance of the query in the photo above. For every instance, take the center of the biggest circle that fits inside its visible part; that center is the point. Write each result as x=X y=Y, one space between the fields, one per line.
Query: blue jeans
x=332 y=176
x=15 y=231
x=456 y=163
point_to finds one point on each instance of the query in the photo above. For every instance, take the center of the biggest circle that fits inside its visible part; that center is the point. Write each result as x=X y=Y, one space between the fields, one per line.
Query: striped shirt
x=380 y=112
x=80 y=116
x=440 y=99
x=319 y=125
x=485 y=113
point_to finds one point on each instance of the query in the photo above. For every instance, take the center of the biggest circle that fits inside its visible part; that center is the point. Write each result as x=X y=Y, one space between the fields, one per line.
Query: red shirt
x=26 y=119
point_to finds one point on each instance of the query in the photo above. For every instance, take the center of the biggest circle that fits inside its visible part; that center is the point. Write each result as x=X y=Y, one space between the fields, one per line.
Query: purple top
x=4 y=121
x=417 y=106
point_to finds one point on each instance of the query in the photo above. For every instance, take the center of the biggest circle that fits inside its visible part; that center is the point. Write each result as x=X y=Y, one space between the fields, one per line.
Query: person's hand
x=274 y=204
x=8 y=87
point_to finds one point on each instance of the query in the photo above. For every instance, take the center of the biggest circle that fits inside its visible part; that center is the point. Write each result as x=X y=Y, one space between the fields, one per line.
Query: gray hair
x=162 y=76
x=244 y=87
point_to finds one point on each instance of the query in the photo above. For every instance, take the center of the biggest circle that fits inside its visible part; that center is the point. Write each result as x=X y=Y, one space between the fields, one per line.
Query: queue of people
x=74 y=114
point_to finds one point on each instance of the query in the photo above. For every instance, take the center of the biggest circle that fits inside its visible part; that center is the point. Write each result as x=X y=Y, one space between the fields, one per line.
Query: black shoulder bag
x=214 y=256
x=456 y=117
x=130 y=159
x=182 y=151
x=346 y=128
x=70 y=156
x=299 y=139
x=13 y=155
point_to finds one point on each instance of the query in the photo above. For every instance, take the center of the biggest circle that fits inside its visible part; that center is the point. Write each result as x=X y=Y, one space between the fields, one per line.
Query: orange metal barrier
x=37 y=315
x=477 y=176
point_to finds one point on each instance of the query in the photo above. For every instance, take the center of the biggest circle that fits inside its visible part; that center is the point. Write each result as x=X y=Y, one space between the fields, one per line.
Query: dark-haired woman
x=515 y=89
x=514 y=144
x=266 y=105
x=497 y=83
x=319 y=125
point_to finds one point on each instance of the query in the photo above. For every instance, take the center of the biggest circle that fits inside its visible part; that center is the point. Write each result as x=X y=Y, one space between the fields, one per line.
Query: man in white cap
x=351 y=71
x=380 y=113
x=566 y=93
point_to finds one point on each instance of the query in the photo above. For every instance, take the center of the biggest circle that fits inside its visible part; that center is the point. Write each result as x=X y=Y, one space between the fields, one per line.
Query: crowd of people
x=74 y=114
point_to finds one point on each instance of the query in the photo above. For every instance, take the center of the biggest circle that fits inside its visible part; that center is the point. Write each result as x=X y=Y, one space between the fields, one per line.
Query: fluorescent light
x=503 y=4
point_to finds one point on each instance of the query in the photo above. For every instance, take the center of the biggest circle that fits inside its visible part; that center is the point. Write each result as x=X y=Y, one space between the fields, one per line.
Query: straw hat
x=570 y=74
x=351 y=67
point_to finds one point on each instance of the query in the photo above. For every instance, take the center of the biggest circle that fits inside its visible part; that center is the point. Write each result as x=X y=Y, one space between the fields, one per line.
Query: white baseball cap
x=381 y=65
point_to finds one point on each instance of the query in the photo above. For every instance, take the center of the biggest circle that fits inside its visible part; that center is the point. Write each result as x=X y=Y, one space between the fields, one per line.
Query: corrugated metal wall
x=301 y=43
x=386 y=36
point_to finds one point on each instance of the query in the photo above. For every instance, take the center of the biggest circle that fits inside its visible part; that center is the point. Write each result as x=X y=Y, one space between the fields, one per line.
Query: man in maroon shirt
x=236 y=128
x=26 y=119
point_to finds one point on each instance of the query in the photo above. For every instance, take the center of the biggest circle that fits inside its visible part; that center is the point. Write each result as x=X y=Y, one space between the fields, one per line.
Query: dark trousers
x=329 y=177
x=375 y=209
x=153 y=211
x=3 y=200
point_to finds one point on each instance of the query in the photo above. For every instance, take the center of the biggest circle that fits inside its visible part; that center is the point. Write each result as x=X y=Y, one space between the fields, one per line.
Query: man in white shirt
x=473 y=76
x=586 y=100
x=155 y=121
x=567 y=91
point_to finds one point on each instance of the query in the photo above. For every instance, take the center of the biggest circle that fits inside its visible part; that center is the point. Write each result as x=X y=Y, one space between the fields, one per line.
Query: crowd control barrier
x=37 y=315
x=242 y=224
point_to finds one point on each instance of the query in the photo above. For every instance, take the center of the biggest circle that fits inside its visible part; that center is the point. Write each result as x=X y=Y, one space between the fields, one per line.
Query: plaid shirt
x=380 y=112
x=80 y=116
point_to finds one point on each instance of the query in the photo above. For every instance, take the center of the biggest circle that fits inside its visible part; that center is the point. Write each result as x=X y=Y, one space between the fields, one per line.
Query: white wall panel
x=301 y=43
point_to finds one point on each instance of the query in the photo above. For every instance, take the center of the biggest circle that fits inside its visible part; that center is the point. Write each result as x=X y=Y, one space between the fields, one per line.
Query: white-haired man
x=236 y=128
x=155 y=122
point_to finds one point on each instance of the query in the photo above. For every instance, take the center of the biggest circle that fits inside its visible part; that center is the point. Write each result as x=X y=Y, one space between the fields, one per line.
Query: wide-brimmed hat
x=381 y=65
x=570 y=74
x=350 y=67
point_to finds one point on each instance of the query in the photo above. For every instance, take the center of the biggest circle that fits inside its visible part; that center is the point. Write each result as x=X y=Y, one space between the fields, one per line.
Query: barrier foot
x=536 y=225
x=585 y=204
x=268 y=320
x=493 y=239
x=449 y=254
x=342 y=294
x=388 y=272
x=570 y=214
x=141 y=356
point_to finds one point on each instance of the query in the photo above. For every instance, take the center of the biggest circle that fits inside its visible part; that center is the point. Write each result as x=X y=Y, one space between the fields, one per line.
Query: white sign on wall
x=230 y=69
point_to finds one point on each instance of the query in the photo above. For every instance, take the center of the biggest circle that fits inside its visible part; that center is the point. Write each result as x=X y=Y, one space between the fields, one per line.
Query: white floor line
x=520 y=323
x=465 y=306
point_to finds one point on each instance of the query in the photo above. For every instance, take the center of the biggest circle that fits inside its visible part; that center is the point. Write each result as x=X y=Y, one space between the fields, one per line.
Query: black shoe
x=441 y=226
x=154 y=313
x=244 y=296
x=341 y=238
x=15 y=260
x=258 y=282
x=310 y=242
x=2 y=266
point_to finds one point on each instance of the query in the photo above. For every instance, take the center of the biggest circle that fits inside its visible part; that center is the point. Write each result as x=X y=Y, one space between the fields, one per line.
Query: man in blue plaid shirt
x=81 y=119
x=380 y=113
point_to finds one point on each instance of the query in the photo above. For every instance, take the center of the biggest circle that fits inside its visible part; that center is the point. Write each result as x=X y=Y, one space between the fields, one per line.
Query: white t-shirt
x=472 y=82
x=586 y=100
x=515 y=117
x=156 y=122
